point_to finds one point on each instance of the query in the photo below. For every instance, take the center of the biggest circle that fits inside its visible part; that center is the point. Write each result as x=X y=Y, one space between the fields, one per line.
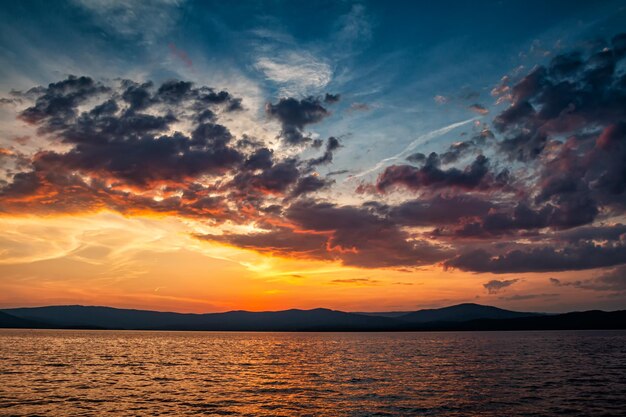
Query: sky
x=206 y=156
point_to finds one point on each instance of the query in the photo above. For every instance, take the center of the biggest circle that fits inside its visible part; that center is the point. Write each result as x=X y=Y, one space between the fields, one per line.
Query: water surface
x=67 y=372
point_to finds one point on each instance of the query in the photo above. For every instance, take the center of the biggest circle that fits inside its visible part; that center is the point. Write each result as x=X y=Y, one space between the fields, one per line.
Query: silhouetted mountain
x=288 y=320
x=107 y=317
x=462 y=312
x=459 y=318
x=9 y=321
x=594 y=319
x=384 y=313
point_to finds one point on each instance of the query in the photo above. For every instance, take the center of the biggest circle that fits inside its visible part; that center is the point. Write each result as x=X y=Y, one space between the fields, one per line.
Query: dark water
x=295 y=374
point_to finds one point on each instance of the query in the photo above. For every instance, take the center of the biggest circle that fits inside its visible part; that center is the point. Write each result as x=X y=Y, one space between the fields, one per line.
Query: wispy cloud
x=296 y=73
x=355 y=27
x=495 y=286
x=143 y=20
x=418 y=141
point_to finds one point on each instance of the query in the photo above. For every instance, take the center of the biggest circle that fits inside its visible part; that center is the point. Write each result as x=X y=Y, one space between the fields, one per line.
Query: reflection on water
x=52 y=372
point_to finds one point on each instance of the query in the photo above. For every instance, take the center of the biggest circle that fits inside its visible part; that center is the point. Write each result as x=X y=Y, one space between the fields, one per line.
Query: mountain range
x=458 y=317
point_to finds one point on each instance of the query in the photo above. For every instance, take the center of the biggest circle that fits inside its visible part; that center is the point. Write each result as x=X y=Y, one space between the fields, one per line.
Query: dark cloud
x=456 y=151
x=609 y=233
x=416 y=158
x=479 y=108
x=459 y=150
x=430 y=175
x=275 y=179
x=614 y=280
x=56 y=105
x=14 y=101
x=117 y=138
x=262 y=159
x=524 y=297
x=23 y=184
x=566 y=65
x=358 y=236
x=169 y=158
x=339 y=172
x=310 y=184
x=294 y=115
x=331 y=98
x=174 y=91
x=567 y=122
x=177 y=92
x=52 y=192
x=123 y=144
x=279 y=241
x=141 y=96
x=439 y=210
x=332 y=144
x=522 y=217
x=576 y=103
x=495 y=286
x=585 y=255
x=546 y=194
x=138 y=96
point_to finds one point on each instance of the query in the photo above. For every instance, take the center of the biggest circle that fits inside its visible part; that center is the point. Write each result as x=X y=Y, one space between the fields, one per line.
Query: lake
x=67 y=372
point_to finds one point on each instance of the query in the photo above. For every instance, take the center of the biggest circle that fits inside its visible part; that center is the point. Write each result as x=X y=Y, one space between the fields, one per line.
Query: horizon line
x=301 y=309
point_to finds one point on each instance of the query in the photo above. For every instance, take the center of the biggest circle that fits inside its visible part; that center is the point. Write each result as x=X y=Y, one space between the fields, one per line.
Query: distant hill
x=461 y=317
x=10 y=321
x=462 y=312
x=595 y=319
x=113 y=318
x=384 y=313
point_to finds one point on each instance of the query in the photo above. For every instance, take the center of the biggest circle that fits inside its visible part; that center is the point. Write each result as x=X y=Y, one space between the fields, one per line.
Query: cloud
x=524 y=297
x=411 y=146
x=479 y=108
x=495 y=286
x=614 y=280
x=356 y=236
x=610 y=233
x=57 y=104
x=542 y=259
x=439 y=210
x=331 y=98
x=274 y=179
x=543 y=190
x=332 y=144
x=356 y=107
x=573 y=93
x=310 y=184
x=355 y=27
x=456 y=151
x=431 y=176
x=355 y=281
x=522 y=217
x=294 y=115
x=144 y=21
x=567 y=118
x=297 y=73
x=339 y=172
x=135 y=147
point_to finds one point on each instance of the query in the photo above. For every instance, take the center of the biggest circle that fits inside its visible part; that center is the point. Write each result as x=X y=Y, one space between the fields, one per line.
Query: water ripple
x=67 y=372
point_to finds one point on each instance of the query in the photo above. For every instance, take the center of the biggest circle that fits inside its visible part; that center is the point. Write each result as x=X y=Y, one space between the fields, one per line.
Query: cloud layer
x=542 y=188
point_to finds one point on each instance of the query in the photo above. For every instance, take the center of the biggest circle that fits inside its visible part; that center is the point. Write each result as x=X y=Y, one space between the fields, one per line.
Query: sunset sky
x=364 y=156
